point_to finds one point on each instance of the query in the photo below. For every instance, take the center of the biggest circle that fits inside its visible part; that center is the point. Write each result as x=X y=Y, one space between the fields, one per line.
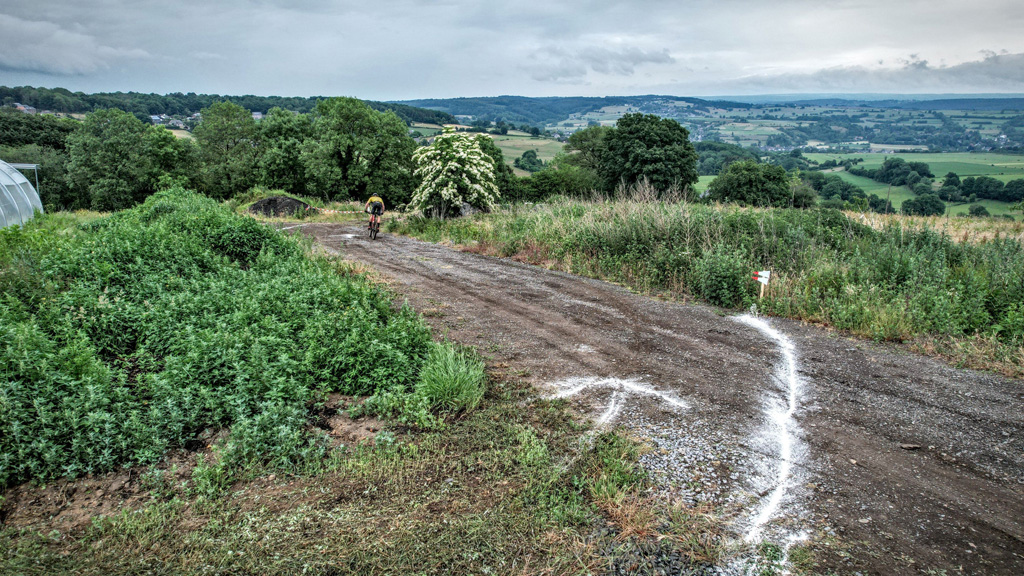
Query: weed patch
x=126 y=336
x=903 y=282
x=509 y=488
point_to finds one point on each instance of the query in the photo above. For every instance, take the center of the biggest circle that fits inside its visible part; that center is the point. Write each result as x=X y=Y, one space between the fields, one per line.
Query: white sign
x=763 y=276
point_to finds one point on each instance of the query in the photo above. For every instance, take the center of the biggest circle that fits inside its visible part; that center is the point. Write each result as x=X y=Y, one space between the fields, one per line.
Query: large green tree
x=116 y=161
x=355 y=152
x=587 y=147
x=1014 y=191
x=279 y=162
x=713 y=157
x=560 y=177
x=18 y=128
x=924 y=205
x=54 y=190
x=529 y=161
x=227 y=149
x=754 y=184
x=646 y=146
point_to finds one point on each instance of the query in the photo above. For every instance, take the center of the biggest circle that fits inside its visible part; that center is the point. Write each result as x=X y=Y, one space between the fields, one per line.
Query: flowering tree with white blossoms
x=453 y=170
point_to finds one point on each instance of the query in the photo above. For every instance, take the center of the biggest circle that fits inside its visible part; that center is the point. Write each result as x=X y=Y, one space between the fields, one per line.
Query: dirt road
x=890 y=462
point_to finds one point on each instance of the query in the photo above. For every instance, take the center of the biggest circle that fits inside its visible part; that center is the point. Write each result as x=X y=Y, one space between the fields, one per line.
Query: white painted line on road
x=621 y=389
x=781 y=426
x=290 y=227
x=613 y=409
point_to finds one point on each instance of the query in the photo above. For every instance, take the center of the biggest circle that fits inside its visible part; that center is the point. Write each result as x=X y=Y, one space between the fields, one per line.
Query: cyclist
x=375 y=207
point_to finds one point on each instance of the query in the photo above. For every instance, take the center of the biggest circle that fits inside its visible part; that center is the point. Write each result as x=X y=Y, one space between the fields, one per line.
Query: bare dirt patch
x=71 y=505
x=868 y=503
x=333 y=417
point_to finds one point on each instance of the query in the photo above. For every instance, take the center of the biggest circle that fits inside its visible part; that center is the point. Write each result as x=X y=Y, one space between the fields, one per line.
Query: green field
x=999 y=166
x=994 y=207
x=513 y=147
x=896 y=195
x=752 y=132
x=703 y=182
x=426 y=129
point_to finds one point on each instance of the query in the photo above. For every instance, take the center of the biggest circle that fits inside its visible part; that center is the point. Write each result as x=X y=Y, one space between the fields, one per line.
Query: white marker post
x=762 y=277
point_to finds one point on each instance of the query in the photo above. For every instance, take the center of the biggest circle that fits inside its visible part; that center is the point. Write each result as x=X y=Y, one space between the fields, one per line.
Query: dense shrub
x=130 y=335
x=754 y=184
x=924 y=205
x=452 y=379
x=721 y=277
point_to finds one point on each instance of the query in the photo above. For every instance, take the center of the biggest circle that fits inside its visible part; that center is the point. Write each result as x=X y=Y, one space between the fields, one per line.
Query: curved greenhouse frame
x=18 y=199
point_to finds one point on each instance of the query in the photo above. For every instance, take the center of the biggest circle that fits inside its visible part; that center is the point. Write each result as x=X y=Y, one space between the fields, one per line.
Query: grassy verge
x=508 y=489
x=900 y=283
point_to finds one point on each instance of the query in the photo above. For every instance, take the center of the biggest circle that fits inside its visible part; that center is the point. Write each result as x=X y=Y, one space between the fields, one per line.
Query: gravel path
x=898 y=463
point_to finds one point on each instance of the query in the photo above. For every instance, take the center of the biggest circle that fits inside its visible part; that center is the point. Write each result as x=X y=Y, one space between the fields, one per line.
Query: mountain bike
x=374 y=228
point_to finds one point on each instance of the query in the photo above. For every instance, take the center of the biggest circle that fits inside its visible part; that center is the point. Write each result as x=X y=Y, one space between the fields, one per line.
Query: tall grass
x=129 y=335
x=898 y=283
x=452 y=379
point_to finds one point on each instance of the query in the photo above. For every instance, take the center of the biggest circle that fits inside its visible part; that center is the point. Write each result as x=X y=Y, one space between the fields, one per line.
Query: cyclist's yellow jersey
x=375 y=199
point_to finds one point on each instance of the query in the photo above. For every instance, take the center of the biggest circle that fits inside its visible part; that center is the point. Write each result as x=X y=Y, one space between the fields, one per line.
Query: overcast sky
x=405 y=49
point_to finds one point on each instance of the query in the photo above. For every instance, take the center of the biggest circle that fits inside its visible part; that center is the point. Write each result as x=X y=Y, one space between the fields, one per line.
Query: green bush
x=452 y=379
x=130 y=335
x=722 y=277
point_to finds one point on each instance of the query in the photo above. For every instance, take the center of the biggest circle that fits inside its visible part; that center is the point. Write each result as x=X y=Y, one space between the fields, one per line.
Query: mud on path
x=899 y=465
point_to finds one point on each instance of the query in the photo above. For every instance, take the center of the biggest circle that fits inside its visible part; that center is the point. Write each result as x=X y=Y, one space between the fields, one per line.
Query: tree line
x=343 y=149
x=177 y=104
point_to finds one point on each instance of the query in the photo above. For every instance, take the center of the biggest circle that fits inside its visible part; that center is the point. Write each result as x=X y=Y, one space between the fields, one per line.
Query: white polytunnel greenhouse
x=18 y=199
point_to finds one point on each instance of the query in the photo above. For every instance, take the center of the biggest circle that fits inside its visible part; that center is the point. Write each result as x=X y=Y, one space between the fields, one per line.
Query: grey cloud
x=994 y=72
x=558 y=64
x=45 y=47
x=207 y=56
x=398 y=49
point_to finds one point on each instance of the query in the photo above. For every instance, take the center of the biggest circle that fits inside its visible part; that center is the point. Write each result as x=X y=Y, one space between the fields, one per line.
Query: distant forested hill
x=963 y=104
x=966 y=103
x=178 y=104
x=550 y=109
